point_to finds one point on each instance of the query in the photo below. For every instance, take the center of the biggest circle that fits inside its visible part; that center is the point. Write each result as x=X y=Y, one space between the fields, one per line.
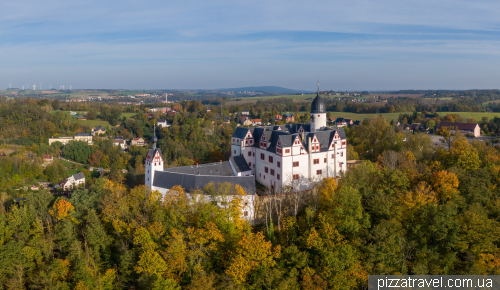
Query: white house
x=120 y=141
x=163 y=123
x=73 y=181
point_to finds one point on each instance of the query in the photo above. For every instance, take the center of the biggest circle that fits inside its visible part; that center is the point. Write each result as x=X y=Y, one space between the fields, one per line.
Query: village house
x=289 y=118
x=74 y=181
x=47 y=159
x=466 y=128
x=98 y=130
x=119 y=141
x=245 y=122
x=415 y=127
x=256 y=122
x=163 y=123
x=138 y=142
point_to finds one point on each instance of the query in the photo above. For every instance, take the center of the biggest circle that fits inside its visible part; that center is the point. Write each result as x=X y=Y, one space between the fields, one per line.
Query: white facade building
x=74 y=181
x=294 y=155
x=234 y=171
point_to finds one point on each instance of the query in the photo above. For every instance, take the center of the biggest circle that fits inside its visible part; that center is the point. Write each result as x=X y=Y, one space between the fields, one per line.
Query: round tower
x=318 y=114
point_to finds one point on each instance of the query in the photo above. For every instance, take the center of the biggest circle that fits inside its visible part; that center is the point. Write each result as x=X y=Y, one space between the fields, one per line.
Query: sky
x=195 y=44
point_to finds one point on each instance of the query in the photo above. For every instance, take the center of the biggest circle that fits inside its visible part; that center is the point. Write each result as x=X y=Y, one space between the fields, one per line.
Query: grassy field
x=90 y=123
x=394 y=116
x=296 y=98
x=299 y=97
x=491 y=102
x=472 y=115
x=441 y=99
x=94 y=123
x=354 y=116
x=128 y=115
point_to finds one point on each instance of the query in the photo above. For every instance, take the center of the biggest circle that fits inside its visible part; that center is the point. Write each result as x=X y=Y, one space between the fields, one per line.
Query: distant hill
x=265 y=89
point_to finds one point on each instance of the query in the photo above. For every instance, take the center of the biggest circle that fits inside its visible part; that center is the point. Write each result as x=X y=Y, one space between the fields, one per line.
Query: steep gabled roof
x=240 y=133
x=78 y=176
x=239 y=163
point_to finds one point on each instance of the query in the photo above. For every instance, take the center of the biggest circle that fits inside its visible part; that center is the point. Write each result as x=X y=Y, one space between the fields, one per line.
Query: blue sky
x=194 y=44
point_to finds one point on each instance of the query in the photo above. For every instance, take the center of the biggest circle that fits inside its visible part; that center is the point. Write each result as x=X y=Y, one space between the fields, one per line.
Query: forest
x=408 y=208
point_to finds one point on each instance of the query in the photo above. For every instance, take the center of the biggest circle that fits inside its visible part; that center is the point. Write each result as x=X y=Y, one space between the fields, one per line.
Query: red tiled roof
x=460 y=126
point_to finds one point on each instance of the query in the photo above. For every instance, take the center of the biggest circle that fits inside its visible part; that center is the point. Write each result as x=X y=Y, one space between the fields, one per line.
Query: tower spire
x=154 y=139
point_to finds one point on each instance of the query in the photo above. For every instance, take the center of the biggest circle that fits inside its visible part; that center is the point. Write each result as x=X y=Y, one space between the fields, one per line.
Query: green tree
x=78 y=151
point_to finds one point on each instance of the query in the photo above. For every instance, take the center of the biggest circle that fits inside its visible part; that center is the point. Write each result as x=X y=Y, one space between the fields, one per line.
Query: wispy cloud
x=355 y=44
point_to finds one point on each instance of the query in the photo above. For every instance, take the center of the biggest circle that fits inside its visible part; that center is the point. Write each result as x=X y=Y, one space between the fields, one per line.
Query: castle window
x=249 y=153
x=148 y=171
x=272 y=172
x=333 y=156
x=278 y=164
x=296 y=164
x=287 y=150
x=325 y=160
x=266 y=170
x=234 y=151
x=319 y=172
x=341 y=154
x=271 y=159
x=262 y=157
x=278 y=176
x=295 y=177
x=250 y=164
x=246 y=213
x=316 y=161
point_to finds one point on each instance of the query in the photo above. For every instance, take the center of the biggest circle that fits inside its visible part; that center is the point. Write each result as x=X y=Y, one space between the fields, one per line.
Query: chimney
x=309 y=144
x=221 y=162
x=196 y=164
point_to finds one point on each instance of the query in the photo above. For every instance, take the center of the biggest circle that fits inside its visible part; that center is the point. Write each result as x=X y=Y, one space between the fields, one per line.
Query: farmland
x=90 y=123
x=295 y=98
x=355 y=116
x=491 y=102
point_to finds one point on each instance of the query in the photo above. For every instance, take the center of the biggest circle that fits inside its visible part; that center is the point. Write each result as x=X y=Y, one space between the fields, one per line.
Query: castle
x=292 y=156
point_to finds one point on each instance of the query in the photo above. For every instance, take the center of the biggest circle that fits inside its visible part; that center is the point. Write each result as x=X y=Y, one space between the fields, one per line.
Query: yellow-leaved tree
x=251 y=252
x=445 y=184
